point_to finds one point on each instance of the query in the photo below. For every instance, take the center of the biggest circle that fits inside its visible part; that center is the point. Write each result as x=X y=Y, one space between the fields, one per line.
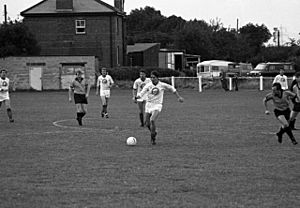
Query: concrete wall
x=19 y=69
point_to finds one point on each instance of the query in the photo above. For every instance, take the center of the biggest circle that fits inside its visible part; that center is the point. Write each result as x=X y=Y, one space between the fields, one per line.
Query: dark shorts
x=80 y=99
x=296 y=107
x=286 y=113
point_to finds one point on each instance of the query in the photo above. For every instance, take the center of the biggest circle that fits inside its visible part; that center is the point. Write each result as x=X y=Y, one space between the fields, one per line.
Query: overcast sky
x=283 y=14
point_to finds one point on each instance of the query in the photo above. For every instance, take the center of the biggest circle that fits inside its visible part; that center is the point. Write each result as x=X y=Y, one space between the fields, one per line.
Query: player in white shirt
x=282 y=79
x=104 y=83
x=155 y=94
x=4 y=93
x=138 y=85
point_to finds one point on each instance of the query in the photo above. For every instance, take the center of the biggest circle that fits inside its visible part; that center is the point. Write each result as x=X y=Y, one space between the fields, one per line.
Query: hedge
x=132 y=73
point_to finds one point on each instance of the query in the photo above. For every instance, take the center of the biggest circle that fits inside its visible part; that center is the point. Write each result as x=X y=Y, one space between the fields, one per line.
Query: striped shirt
x=79 y=85
x=280 y=103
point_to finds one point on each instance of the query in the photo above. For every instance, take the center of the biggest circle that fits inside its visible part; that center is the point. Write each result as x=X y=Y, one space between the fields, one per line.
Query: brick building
x=79 y=28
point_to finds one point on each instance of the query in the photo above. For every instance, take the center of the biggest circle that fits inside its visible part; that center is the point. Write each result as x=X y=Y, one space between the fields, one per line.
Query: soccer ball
x=131 y=141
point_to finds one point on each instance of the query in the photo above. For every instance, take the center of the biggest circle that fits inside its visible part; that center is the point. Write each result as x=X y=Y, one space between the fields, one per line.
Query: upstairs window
x=80 y=26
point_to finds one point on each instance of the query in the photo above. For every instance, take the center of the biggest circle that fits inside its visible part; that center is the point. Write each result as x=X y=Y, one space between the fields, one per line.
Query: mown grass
x=217 y=149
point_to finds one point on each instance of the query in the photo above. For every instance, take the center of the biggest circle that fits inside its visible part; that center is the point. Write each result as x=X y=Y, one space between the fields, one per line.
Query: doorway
x=35 y=77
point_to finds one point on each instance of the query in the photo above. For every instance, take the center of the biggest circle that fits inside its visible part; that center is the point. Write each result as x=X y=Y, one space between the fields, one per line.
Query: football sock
x=152 y=128
x=104 y=109
x=281 y=131
x=9 y=113
x=289 y=133
x=292 y=124
x=142 y=118
x=148 y=125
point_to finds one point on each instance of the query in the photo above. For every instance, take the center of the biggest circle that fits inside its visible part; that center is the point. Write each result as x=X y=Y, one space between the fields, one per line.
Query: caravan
x=213 y=68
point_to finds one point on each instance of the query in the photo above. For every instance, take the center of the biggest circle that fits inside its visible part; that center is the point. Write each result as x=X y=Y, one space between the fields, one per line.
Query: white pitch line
x=39 y=133
x=56 y=123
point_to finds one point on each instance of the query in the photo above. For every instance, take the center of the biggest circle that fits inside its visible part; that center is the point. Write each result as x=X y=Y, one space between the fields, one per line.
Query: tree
x=196 y=38
x=144 y=20
x=256 y=35
x=16 y=40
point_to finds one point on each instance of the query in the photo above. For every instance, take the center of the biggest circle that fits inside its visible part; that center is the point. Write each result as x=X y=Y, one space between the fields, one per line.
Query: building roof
x=215 y=63
x=79 y=6
x=139 y=47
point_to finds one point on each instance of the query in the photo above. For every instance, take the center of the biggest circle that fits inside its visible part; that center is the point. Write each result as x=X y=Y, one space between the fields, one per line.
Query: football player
x=81 y=88
x=104 y=83
x=155 y=94
x=4 y=93
x=137 y=88
x=282 y=110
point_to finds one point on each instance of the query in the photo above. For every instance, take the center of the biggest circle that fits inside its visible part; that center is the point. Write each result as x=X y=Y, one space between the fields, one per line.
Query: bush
x=132 y=73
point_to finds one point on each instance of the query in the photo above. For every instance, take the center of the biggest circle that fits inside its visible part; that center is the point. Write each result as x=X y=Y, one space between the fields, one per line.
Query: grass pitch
x=217 y=149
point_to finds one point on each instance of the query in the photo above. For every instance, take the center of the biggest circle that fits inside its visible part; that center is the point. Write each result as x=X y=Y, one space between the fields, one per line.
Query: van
x=213 y=68
x=271 y=69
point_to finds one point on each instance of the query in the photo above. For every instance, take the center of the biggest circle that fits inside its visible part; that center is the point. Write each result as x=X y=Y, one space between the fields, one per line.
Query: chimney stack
x=64 y=4
x=119 y=4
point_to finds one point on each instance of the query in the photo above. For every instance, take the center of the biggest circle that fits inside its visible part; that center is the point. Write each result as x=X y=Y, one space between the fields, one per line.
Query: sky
x=281 y=14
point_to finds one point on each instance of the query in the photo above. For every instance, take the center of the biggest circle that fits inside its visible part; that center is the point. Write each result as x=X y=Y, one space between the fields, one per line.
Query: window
x=118 y=55
x=80 y=26
x=117 y=26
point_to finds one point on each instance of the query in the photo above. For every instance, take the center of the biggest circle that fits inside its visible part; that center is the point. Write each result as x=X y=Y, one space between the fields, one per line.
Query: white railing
x=199 y=82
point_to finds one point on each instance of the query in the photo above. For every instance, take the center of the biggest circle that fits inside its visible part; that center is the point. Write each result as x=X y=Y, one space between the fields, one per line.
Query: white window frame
x=80 y=25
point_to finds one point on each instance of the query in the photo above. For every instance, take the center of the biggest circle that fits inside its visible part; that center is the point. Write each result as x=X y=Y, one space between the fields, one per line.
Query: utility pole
x=5 y=14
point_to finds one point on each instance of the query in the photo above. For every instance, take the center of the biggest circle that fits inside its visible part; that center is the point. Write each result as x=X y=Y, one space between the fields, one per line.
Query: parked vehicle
x=213 y=68
x=271 y=69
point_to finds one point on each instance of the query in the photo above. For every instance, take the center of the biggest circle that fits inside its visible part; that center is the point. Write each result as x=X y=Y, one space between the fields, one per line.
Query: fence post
x=230 y=83
x=173 y=81
x=261 y=84
x=200 y=83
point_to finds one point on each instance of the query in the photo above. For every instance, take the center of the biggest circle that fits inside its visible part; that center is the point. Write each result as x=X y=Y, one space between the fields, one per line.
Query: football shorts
x=105 y=93
x=4 y=96
x=80 y=99
x=150 y=107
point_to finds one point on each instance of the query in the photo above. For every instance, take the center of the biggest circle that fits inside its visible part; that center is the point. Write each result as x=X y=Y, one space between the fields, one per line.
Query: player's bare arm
x=70 y=94
x=179 y=98
x=265 y=102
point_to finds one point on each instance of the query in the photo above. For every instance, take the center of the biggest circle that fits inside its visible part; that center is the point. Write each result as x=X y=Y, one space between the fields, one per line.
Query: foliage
x=210 y=40
x=16 y=40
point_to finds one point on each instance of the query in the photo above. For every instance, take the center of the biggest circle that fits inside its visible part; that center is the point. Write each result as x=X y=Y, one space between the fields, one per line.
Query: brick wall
x=56 y=36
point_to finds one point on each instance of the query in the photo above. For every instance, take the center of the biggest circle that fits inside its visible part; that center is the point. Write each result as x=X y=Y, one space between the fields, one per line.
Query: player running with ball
x=155 y=93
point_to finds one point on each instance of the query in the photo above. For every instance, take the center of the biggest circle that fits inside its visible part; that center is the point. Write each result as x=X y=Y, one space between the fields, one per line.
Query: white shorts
x=150 y=107
x=4 y=96
x=140 y=100
x=105 y=93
